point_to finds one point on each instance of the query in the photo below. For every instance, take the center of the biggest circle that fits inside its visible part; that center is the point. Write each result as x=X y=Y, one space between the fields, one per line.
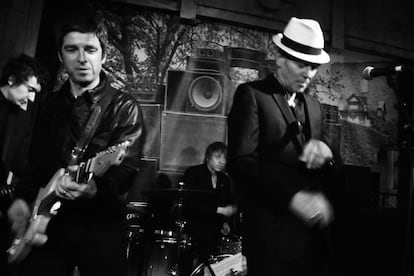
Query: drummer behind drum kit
x=153 y=251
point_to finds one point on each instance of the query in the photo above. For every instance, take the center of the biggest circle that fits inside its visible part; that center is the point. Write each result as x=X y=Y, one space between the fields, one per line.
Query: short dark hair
x=82 y=22
x=21 y=68
x=215 y=147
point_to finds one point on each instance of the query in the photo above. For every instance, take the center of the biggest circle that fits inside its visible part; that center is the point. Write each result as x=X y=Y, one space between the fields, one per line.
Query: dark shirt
x=5 y=108
x=299 y=111
x=204 y=223
x=16 y=127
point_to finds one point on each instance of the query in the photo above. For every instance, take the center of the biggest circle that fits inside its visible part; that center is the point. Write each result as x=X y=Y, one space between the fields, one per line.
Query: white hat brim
x=322 y=58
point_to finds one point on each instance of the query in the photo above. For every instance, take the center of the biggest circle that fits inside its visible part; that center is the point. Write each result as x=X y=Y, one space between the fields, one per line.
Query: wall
x=19 y=27
x=369 y=26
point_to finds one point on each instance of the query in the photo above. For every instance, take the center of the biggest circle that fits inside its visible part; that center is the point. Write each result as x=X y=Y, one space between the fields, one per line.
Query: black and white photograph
x=206 y=138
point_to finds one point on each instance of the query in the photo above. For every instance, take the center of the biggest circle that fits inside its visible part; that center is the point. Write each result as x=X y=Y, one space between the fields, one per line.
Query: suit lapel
x=311 y=109
x=288 y=116
x=284 y=107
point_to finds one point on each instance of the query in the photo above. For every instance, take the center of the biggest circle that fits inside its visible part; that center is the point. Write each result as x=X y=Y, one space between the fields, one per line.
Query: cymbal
x=174 y=193
x=140 y=206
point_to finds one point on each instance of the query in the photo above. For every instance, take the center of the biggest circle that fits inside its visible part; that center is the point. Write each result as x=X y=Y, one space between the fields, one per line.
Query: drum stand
x=180 y=224
x=182 y=241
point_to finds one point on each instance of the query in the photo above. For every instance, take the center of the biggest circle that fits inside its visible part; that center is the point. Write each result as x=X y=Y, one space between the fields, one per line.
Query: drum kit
x=159 y=244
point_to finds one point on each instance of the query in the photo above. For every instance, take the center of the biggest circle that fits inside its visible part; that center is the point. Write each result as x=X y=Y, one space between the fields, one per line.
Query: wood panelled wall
x=19 y=27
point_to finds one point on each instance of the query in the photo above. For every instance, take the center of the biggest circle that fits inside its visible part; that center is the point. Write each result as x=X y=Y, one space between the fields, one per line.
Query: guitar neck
x=98 y=164
x=82 y=174
x=7 y=191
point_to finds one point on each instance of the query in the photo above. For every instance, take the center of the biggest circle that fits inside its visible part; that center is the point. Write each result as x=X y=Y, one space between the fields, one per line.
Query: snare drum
x=162 y=259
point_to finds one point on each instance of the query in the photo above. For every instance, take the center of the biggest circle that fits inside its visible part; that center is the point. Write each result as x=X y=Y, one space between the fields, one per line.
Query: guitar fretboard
x=6 y=191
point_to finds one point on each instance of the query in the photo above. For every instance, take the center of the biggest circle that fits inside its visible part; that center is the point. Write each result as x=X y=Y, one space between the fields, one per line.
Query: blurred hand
x=315 y=154
x=19 y=214
x=227 y=211
x=313 y=208
x=225 y=230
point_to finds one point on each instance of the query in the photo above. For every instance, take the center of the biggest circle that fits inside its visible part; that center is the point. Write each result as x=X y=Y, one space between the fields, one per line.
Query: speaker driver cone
x=205 y=93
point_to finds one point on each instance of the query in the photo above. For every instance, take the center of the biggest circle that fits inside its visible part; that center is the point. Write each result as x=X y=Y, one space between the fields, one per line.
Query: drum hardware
x=176 y=195
x=135 y=238
x=137 y=212
x=180 y=223
x=137 y=215
x=177 y=240
x=137 y=205
x=229 y=244
x=223 y=265
x=163 y=252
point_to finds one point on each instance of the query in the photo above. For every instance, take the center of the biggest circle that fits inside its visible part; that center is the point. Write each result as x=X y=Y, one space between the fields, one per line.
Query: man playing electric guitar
x=19 y=83
x=89 y=230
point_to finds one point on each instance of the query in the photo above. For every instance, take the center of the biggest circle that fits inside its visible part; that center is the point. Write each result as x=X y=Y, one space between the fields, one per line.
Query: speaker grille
x=151 y=114
x=197 y=92
x=205 y=93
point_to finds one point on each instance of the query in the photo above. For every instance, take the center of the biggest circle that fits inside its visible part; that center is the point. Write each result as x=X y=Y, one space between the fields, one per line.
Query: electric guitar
x=6 y=194
x=47 y=203
x=6 y=191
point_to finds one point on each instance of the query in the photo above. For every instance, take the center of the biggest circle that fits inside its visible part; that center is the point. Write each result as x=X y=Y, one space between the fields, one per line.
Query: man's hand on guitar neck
x=69 y=189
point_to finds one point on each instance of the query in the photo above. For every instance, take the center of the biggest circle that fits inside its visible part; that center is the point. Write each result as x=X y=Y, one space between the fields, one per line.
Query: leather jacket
x=61 y=121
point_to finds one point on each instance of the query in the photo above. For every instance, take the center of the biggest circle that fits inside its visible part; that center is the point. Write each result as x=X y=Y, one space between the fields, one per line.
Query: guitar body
x=21 y=247
x=41 y=214
x=47 y=202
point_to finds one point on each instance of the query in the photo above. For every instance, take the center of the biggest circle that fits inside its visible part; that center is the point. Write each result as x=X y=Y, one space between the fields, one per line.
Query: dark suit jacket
x=263 y=161
x=16 y=138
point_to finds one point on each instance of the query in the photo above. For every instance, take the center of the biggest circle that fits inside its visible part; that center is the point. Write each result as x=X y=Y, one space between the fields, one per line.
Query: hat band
x=298 y=47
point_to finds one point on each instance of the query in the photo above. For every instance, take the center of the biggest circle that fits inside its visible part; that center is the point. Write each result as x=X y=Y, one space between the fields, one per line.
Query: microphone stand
x=404 y=91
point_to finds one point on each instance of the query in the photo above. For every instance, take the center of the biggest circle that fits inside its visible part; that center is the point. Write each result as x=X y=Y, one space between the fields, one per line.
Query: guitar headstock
x=114 y=155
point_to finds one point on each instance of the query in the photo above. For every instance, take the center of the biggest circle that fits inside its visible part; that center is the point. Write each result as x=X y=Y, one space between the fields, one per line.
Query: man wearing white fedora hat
x=280 y=157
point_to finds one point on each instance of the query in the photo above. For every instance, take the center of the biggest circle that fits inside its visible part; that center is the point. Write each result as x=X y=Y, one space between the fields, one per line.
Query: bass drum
x=166 y=255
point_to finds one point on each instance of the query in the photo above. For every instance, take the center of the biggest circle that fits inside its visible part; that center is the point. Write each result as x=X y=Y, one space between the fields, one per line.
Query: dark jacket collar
x=94 y=94
x=270 y=85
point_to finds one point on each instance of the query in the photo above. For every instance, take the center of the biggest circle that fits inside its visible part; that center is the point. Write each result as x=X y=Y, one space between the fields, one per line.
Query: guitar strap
x=98 y=109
